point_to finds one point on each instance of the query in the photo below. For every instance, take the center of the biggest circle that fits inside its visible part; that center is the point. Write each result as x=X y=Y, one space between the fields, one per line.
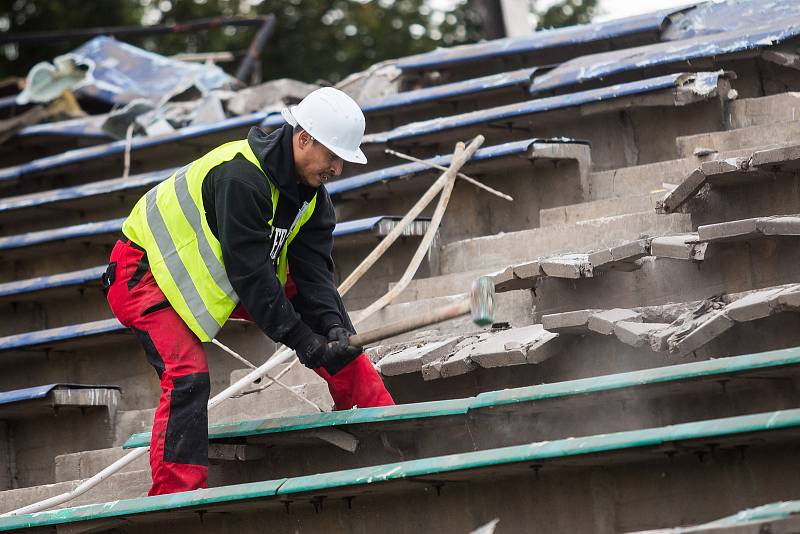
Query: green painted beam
x=673 y=373
x=355 y=416
x=366 y=476
x=777 y=510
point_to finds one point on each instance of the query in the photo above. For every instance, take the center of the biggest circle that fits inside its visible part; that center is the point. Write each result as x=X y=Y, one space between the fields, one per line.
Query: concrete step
x=123 y=485
x=502 y=250
x=644 y=179
x=608 y=207
x=766 y=110
x=131 y=422
x=751 y=136
x=84 y=464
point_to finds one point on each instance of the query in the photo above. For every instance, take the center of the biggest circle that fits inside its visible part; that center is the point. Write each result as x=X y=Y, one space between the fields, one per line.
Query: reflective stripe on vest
x=185 y=258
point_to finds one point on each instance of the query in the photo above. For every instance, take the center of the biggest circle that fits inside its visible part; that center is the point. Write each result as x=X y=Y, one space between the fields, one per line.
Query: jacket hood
x=276 y=155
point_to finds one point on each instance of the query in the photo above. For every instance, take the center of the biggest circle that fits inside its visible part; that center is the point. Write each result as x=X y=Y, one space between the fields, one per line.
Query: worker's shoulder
x=240 y=170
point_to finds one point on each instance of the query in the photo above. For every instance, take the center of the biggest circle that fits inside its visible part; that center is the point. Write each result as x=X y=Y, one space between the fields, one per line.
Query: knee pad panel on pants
x=186 y=439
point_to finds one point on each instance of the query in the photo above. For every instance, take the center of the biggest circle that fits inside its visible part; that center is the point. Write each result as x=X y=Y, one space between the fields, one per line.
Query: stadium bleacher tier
x=641 y=375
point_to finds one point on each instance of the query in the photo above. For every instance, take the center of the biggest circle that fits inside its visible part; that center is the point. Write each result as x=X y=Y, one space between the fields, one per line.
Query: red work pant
x=179 y=444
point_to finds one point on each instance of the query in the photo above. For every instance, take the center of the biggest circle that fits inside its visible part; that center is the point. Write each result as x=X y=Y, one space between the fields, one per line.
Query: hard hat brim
x=352 y=156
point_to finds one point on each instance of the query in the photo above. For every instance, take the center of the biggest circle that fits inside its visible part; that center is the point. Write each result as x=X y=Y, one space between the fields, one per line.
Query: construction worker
x=244 y=231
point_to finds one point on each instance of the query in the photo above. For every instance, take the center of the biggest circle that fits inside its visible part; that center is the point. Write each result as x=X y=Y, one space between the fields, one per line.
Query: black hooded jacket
x=238 y=204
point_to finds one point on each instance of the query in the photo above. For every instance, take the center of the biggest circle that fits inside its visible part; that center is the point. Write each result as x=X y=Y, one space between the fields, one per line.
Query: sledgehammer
x=480 y=303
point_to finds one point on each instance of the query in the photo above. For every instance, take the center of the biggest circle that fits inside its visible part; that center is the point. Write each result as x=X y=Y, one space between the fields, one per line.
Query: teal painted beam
x=673 y=373
x=362 y=477
x=355 y=416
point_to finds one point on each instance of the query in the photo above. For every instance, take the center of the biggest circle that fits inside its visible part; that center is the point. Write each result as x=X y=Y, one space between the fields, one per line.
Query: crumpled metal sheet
x=573 y=35
x=47 y=81
x=730 y=15
x=599 y=66
x=123 y=72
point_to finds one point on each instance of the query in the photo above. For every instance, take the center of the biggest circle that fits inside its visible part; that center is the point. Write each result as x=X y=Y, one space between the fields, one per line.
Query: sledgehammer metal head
x=479 y=304
x=481 y=301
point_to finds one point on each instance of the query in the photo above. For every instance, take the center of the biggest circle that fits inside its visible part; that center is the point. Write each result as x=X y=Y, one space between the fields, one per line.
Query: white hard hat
x=332 y=118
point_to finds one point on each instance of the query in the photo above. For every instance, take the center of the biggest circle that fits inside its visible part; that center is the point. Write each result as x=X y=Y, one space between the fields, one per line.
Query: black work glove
x=314 y=350
x=342 y=352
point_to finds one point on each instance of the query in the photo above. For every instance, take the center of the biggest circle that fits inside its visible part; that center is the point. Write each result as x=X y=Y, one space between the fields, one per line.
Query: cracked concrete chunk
x=411 y=359
x=726 y=231
x=637 y=334
x=782 y=225
x=461 y=361
x=789 y=298
x=514 y=346
x=522 y=276
x=753 y=306
x=706 y=332
x=677 y=247
x=571 y=266
x=603 y=322
x=682 y=193
x=573 y=322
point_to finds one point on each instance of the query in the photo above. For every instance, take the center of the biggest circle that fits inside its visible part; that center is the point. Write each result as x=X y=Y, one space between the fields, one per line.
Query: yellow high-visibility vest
x=186 y=259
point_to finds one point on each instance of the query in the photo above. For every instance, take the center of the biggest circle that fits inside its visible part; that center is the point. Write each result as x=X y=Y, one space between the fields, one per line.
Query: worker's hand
x=339 y=333
x=315 y=351
x=339 y=355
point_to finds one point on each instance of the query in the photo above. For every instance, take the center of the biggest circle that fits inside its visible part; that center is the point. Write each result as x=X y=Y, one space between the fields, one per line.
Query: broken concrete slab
x=784 y=158
x=461 y=361
x=685 y=190
x=521 y=276
x=637 y=334
x=754 y=306
x=789 y=298
x=572 y=266
x=604 y=321
x=514 y=346
x=704 y=333
x=728 y=231
x=745 y=229
x=573 y=322
x=620 y=258
x=679 y=247
x=411 y=359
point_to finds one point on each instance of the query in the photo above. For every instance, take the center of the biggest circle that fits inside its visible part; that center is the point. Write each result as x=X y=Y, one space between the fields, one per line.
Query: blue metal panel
x=74 y=278
x=599 y=66
x=516 y=148
x=451 y=90
x=60 y=234
x=123 y=72
x=731 y=15
x=19 y=395
x=118 y=147
x=60 y=334
x=103 y=187
x=8 y=101
x=139 y=181
x=39 y=392
x=540 y=40
x=115 y=226
x=531 y=107
x=85 y=127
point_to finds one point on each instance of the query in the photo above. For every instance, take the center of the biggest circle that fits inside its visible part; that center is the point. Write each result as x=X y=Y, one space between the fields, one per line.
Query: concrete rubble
x=698 y=324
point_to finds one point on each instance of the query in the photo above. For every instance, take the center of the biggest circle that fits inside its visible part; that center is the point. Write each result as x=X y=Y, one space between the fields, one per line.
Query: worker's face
x=314 y=163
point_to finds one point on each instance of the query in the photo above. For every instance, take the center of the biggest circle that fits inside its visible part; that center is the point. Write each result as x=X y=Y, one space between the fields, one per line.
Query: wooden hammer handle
x=438 y=315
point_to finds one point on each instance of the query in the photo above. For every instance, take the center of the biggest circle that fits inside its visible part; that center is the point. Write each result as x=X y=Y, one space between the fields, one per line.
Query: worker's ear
x=305 y=139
